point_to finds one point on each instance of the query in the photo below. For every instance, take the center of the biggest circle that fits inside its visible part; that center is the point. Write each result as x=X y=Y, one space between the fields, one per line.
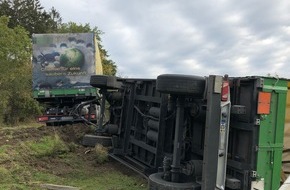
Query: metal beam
x=211 y=140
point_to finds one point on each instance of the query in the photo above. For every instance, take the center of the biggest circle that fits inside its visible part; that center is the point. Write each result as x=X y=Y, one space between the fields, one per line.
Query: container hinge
x=260 y=83
x=46 y=93
x=253 y=174
x=257 y=122
x=256 y=148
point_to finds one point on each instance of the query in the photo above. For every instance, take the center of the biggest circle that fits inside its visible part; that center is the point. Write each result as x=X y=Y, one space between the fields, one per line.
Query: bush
x=102 y=155
x=20 y=109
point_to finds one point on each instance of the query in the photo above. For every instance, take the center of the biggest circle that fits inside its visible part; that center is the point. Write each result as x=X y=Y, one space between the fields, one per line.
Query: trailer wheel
x=181 y=84
x=105 y=81
x=157 y=183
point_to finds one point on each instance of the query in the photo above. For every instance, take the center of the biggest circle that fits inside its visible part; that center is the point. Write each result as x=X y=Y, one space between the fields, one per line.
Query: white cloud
x=146 y=38
x=233 y=18
x=242 y=63
x=191 y=65
x=286 y=29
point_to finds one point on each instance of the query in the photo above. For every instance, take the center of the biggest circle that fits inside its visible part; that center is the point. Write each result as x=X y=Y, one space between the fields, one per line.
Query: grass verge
x=34 y=156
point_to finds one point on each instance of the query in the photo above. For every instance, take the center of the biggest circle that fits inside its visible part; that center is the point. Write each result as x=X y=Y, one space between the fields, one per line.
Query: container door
x=271 y=108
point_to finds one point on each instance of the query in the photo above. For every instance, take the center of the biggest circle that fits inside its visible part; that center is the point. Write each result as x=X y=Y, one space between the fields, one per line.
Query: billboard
x=63 y=60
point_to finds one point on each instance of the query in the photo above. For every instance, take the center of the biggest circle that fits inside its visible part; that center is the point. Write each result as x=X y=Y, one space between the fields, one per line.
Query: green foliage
x=16 y=100
x=48 y=146
x=109 y=67
x=72 y=27
x=30 y=15
x=25 y=18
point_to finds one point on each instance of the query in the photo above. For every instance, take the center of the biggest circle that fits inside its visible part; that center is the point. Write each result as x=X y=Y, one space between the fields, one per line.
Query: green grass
x=48 y=146
x=107 y=180
x=26 y=164
x=17 y=187
x=4 y=156
x=5 y=175
x=22 y=126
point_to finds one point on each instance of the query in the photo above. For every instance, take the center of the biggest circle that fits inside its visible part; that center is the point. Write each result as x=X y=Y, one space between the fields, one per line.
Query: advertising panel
x=63 y=60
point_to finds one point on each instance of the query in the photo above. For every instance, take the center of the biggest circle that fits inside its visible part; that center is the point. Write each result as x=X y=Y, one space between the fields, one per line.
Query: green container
x=70 y=92
x=256 y=134
x=271 y=134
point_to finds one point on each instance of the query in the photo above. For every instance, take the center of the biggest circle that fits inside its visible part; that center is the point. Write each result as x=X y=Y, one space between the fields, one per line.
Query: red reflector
x=225 y=91
x=264 y=103
x=93 y=116
x=44 y=118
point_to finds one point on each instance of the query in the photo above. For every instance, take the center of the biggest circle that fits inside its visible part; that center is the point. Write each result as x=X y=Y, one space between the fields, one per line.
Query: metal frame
x=171 y=140
x=211 y=137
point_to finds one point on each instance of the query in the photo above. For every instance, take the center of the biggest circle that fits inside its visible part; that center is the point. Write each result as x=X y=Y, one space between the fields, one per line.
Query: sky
x=146 y=38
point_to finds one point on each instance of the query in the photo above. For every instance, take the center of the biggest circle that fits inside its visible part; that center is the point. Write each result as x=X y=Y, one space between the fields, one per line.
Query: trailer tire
x=105 y=81
x=181 y=84
x=157 y=183
x=92 y=140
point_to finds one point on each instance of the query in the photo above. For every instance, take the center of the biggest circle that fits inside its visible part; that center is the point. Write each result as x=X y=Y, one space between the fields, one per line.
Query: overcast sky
x=147 y=38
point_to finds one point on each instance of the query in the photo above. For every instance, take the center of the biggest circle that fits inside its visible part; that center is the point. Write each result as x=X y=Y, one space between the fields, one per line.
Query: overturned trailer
x=189 y=132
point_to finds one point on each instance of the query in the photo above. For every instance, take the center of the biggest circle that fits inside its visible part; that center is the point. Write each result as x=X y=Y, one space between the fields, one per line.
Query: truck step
x=92 y=140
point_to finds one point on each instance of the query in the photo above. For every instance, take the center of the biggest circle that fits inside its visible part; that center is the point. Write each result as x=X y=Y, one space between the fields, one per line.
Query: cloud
x=148 y=38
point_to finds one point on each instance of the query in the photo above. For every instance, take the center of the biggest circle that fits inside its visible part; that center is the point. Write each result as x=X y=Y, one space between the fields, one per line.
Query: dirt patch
x=69 y=133
x=13 y=136
x=73 y=133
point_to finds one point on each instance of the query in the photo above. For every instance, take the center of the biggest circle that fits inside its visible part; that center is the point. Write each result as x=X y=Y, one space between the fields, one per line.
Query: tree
x=19 y=19
x=30 y=15
x=109 y=66
x=16 y=101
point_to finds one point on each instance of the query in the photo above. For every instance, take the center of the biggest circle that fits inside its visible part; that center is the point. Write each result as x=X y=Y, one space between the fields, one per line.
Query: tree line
x=19 y=19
